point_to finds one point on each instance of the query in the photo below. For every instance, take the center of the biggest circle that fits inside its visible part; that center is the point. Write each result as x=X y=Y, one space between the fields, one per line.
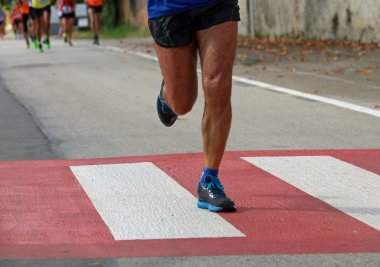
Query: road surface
x=85 y=102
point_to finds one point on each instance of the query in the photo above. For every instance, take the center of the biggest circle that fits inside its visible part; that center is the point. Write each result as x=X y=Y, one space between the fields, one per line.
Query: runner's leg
x=179 y=70
x=217 y=47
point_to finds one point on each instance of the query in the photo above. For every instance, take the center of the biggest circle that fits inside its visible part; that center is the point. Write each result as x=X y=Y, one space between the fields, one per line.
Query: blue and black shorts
x=180 y=29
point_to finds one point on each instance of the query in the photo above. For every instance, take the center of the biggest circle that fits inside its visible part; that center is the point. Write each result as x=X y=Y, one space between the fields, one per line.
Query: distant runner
x=25 y=21
x=32 y=28
x=3 y=19
x=42 y=21
x=94 y=8
x=16 y=19
x=67 y=8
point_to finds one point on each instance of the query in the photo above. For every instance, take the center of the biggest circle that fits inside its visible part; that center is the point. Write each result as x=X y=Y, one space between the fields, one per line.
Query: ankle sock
x=208 y=172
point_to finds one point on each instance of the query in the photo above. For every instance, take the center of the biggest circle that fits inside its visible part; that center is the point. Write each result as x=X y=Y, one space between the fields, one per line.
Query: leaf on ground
x=314 y=92
x=364 y=71
x=338 y=70
x=243 y=56
x=331 y=50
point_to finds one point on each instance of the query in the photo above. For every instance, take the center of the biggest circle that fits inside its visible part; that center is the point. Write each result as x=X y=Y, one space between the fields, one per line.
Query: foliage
x=110 y=14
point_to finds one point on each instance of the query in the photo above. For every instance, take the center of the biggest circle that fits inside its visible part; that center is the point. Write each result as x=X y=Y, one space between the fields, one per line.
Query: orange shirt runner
x=94 y=2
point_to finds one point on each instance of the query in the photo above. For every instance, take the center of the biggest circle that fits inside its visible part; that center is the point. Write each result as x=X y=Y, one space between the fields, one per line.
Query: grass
x=118 y=32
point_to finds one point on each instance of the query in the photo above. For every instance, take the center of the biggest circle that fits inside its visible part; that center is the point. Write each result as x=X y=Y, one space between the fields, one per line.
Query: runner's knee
x=182 y=102
x=217 y=90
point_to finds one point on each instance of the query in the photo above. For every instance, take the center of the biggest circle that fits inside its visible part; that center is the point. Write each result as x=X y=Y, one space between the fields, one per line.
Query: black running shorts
x=32 y=13
x=38 y=12
x=68 y=15
x=179 y=29
x=97 y=9
x=25 y=18
x=17 y=22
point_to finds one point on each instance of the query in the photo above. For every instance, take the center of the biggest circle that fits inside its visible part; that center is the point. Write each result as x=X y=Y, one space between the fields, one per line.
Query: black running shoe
x=211 y=196
x=96 y=40
x=166 y=115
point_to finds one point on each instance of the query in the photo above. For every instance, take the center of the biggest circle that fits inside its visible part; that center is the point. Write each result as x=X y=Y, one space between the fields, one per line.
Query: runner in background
x=25 y=21
x=3 y=19
x=46 y=25
x=60 y=30
x=16 y=19
x=94 y=8
x=67 y=7
x=42 y=13
x=32 y=20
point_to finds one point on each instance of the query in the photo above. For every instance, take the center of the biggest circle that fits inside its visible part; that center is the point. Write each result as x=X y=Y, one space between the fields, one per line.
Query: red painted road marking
x=44 y=213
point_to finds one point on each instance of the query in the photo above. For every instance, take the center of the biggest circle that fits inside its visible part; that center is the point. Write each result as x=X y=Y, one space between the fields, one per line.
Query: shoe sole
x=207 y=206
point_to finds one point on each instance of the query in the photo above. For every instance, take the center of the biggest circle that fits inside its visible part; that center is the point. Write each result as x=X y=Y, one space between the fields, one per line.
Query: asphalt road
x=87 y=102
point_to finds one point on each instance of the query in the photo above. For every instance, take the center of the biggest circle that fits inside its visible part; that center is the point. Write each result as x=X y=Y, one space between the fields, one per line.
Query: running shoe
x=96 y=40
x=166 y=115
x=211 y=196
x=46 y=41
x=39 y=48
x=70 y=43
x=65 y=37
x=34 y=44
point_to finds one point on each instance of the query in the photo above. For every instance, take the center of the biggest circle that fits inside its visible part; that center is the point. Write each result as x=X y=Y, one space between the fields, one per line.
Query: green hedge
x=110 y=13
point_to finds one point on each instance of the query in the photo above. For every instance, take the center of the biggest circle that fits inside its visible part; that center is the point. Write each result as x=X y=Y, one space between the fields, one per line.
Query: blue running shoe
x=211 y=196
x=166 y=115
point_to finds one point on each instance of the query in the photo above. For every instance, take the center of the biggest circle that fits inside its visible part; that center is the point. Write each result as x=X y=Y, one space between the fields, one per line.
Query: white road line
x=346 y=187
x=322 y=99
x=140 y=201
x=326 y=100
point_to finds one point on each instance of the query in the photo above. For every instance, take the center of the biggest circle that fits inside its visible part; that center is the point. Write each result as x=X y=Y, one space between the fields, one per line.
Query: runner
x=25 y=21
x=180 y=30
x=94 y=8
x=46 y=25
x=42 y=21
x=3 y=19
x=60 y=30
x=32 y=28
x=67 y=8
x=16 y=19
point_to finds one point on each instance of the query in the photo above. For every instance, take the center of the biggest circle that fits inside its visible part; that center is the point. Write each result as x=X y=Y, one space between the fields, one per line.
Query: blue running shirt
x=2 y=16
x=159 y=8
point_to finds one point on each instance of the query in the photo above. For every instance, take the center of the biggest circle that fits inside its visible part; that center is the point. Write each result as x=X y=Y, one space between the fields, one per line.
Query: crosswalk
x=288 y=202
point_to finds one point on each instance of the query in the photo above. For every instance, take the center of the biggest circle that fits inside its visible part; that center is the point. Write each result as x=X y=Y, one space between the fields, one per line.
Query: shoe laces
x=215 y=186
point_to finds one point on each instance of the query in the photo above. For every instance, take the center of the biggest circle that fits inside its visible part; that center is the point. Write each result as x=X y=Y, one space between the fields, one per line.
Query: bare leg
x=37 y=24
x=46 y=23
x=64 y=25
x=69 y=29
x=20 y=30
x=217 y=48
x=91 y=16
x=179 y=69
x=96 y=23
